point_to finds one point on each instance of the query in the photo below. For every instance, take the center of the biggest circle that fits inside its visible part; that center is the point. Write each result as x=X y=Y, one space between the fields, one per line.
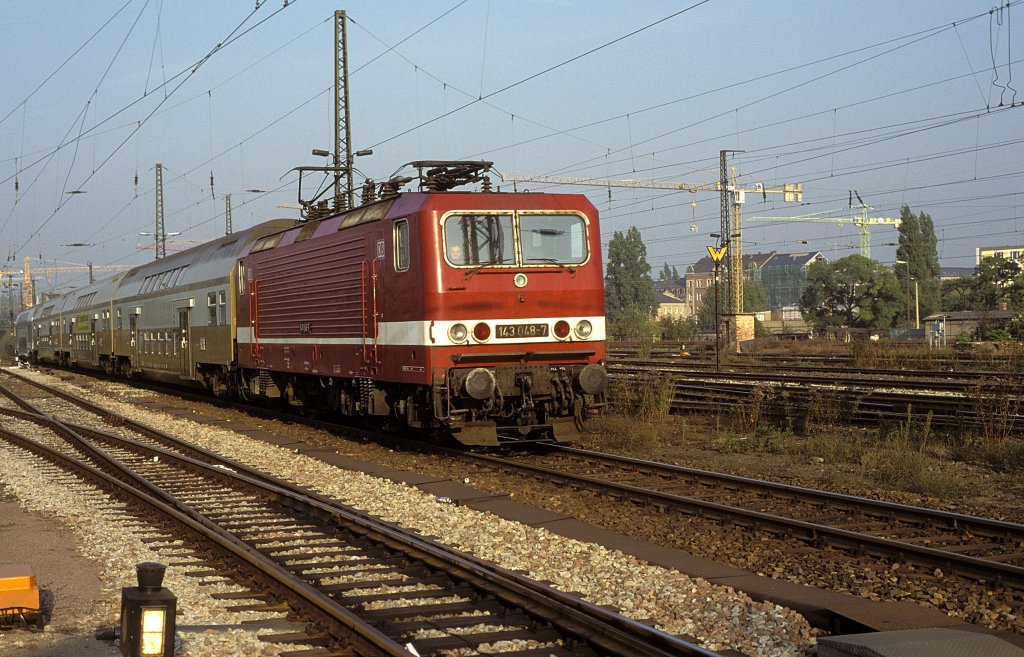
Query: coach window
x=211 y=308
x=222 y=308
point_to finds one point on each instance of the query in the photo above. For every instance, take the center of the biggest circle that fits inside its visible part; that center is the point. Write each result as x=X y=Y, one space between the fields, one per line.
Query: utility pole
x=160 y=236
x=734 y=270
x=342 y=128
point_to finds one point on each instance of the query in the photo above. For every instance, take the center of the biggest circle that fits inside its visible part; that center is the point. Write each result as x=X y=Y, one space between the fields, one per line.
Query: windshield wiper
x=470 y=272
x=552 y=261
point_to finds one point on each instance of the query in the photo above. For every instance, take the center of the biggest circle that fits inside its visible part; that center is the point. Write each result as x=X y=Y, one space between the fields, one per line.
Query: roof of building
x=1008 y=247
x=967 y=315
x=664 y=299
x=669 y=284
x=956 y=272
x=800 y=259
x=750 y=261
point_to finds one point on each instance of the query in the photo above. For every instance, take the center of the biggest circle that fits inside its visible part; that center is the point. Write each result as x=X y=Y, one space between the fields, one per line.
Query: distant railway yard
x=295 y=538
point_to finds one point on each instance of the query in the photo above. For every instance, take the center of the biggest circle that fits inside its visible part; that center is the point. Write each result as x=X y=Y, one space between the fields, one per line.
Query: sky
x=917 y=102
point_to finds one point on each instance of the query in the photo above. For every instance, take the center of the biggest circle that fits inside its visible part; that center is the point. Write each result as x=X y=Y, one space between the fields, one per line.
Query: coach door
x=184 y=352
x=133 y=334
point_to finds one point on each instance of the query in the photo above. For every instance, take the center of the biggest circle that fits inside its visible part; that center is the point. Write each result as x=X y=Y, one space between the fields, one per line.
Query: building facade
x=784 y=277
x=1007 y=252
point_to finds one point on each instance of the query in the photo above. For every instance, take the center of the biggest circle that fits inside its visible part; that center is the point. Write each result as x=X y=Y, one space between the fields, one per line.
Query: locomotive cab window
x=472 y=240
x=553 y=238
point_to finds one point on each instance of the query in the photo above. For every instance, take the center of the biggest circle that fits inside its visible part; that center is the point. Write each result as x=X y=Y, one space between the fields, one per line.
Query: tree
x=956 y=294
x=918 y=247
x=996 y=281
x=705 y=317
x=628 y=288
x=677 y=328
x=755 y=298
x=853 y=291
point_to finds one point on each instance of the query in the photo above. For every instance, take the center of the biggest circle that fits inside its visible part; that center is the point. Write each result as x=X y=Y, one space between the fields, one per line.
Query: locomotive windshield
x=479 y=239
x=557 y=238
x=474 y=240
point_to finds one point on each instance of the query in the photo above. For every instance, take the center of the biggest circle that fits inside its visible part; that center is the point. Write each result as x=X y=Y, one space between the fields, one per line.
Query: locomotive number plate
x=522 y=331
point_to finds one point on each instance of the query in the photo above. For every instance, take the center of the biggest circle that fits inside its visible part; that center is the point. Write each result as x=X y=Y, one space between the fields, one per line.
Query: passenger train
x=477 y=315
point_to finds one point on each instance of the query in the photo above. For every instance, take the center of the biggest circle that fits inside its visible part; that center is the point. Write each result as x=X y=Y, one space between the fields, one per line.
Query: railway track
x=925 y=379
x=368 y=586
x=976 y=548
x=983 y=404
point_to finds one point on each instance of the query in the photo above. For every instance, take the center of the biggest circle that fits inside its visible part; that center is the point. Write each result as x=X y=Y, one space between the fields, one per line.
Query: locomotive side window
x=553 y=238
x=401 y=245
x=479 y=239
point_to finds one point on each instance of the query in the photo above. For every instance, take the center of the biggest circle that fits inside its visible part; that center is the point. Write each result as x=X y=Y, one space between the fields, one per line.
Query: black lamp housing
x=147 y=614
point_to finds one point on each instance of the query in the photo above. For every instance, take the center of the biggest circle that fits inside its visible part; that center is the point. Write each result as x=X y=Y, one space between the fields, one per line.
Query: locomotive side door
x=185 y=353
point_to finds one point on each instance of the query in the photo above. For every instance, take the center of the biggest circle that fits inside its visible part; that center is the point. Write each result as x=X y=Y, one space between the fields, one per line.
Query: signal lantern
x=561 y=329
x=481 y=332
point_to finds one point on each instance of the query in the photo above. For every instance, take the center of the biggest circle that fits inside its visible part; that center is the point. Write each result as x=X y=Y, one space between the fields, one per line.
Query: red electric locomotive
x=479 y=313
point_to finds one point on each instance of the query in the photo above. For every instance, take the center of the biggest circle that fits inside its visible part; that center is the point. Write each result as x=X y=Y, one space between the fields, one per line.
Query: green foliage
x=854 y=291
x=632 y=323
x=902 y=459
x=956 y=295
x=755 y=299
x=645 y=398
x=668 y=273
x=996 y=281
x=918 y=247
x=705 y=317
x=677 y=328
x=628 y=289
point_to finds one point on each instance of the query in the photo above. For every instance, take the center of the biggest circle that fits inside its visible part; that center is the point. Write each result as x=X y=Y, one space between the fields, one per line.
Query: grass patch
x=643 y=398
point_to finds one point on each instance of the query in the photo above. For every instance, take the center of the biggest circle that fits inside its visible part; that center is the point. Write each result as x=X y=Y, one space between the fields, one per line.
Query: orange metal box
x=18 y=589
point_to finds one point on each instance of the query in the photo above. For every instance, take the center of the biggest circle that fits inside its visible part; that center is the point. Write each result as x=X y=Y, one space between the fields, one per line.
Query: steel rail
x=968 y=566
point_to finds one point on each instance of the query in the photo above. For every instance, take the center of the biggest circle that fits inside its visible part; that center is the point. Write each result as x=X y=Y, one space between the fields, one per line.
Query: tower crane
x=28 y=287
x=864 y=222
x=792 y=192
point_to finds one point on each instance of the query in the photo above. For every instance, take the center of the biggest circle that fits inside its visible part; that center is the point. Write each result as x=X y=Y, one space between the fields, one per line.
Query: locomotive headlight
x=584 y=328
x=458 y=333
x=561 y=329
